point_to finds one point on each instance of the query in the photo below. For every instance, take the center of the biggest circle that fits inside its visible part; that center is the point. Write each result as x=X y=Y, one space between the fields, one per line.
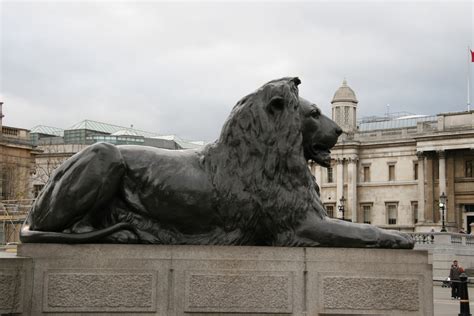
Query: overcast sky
x=179 y=68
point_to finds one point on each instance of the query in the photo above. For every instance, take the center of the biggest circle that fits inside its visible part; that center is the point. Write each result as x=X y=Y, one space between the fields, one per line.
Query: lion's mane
x=262 y=182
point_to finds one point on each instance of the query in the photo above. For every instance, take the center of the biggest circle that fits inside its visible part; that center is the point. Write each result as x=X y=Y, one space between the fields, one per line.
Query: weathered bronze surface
x=250 y=187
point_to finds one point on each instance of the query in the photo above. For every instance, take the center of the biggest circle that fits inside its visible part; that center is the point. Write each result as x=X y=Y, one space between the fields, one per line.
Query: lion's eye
x=315 y=113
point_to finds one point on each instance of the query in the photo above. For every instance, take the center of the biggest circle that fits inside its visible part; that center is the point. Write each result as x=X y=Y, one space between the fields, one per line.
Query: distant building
x=390 y=171
x=15 y=161
x=16 y=165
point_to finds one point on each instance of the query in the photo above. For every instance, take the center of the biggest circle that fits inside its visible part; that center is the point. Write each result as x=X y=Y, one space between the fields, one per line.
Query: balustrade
x=447 y=239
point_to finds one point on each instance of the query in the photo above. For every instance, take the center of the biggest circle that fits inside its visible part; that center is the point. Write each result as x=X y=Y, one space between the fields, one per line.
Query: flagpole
x=469 y=60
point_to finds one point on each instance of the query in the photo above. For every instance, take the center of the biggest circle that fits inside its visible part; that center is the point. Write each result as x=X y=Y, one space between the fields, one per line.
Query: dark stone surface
x=250 y=187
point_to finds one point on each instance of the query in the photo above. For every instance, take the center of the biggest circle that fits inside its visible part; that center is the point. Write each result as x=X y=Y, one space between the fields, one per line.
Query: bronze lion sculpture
x=250 y=187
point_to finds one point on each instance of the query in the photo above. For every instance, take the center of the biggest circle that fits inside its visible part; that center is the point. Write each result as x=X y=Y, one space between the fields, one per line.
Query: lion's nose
x=338 y=131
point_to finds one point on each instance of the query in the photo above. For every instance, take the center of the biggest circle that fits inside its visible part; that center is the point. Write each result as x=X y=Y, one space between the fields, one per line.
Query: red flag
x=472 y=56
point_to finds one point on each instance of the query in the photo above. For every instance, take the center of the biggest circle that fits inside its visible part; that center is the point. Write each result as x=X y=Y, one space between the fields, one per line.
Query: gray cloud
x=180 y=67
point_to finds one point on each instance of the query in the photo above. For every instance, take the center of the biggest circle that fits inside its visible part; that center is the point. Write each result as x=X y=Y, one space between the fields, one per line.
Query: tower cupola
x=344 y=105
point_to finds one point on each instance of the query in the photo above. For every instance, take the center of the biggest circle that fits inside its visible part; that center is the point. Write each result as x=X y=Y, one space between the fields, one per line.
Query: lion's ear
x=276 y=104
x=296 y=81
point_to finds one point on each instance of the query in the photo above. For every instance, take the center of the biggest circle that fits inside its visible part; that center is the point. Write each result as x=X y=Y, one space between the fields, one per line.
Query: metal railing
x=12 y=215
x=430 y=240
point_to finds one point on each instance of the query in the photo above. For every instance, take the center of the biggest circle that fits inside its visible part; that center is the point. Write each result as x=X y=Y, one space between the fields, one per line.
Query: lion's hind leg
x=82 y=184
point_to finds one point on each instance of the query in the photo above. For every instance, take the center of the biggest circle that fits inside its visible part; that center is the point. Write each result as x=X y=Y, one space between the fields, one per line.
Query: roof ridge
x=118 y=127
x=42 y=125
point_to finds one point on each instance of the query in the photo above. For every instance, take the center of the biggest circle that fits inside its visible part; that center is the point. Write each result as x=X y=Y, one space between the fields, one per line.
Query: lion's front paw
x=397 y=240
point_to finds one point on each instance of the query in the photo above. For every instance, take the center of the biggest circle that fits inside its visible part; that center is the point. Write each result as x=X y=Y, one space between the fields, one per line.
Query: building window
x=366 y=174
x=391 y=172
x=415 y=171
x=392 y=210
x=469 y=168
x=330 y=210
x=367 y=213
x=37 y=189
x=7 y=183
x=414 y=209
x=330 y=175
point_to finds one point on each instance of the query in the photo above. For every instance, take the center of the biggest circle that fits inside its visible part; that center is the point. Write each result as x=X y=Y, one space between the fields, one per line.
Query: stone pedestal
x=15 y=284
x=53 y=279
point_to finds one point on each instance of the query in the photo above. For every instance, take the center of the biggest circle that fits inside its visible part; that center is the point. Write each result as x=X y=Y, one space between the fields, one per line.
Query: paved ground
x=444 y=306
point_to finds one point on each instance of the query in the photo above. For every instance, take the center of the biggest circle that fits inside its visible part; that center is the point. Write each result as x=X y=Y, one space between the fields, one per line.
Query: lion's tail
x=35 y=236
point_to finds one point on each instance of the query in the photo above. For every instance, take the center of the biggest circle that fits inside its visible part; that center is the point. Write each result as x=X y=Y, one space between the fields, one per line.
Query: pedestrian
x=454 y=276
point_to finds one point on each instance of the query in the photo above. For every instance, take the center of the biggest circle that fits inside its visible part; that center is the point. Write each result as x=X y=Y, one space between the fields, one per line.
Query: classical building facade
x=16 y=165
x=391 y=171
x=15 y=162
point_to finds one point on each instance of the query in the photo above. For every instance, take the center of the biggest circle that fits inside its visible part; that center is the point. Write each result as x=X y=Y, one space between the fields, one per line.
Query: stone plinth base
x=210 y=280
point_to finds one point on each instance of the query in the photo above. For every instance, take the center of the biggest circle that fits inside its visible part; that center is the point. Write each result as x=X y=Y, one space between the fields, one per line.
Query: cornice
x=347 y=144
x=387 y=183
x=389 y=143
x=16 y=146
x=446 y=135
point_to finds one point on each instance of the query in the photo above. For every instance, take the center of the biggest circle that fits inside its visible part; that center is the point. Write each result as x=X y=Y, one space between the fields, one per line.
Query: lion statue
x=250 y=187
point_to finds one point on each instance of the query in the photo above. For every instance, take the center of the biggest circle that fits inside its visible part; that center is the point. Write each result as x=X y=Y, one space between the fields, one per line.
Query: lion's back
x=169 y=185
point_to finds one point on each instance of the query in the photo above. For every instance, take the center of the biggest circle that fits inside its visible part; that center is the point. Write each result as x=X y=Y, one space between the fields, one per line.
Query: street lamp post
x=442 y=206
x=341 y=206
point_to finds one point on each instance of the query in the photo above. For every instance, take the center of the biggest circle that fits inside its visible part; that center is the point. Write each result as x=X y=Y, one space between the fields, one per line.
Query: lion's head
x=258 y=166
x=320 y=133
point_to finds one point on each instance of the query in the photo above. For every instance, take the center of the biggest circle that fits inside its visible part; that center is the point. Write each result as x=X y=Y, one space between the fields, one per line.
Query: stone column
x=312 y=168
x=421 y=187
x=442 y=172
x=352 y=188
x=451 y=217
x=339 y=184
x=429 y=194
x=318 y=174
x=442 y=180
